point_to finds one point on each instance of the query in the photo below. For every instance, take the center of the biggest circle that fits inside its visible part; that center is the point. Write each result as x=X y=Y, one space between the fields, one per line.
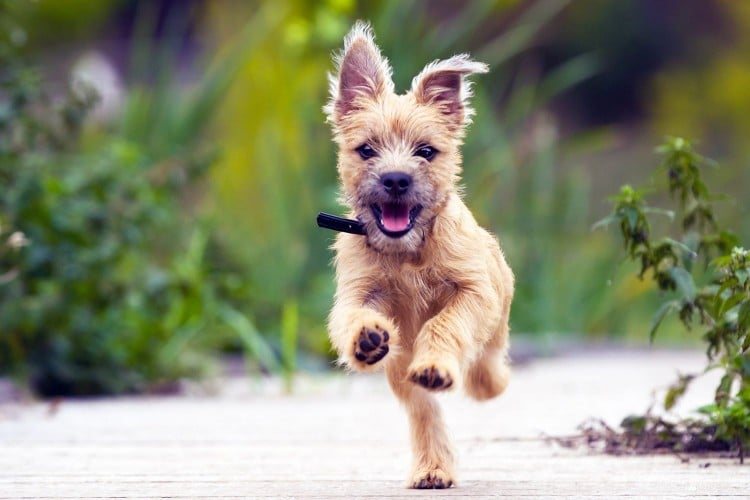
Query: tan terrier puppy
x=426 y=292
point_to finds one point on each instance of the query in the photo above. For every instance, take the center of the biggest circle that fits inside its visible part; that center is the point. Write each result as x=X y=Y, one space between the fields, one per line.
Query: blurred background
x=162 y=163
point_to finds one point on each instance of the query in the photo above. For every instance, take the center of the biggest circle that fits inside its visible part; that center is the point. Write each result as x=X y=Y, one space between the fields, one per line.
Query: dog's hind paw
x=372 y=345
x=436 y=479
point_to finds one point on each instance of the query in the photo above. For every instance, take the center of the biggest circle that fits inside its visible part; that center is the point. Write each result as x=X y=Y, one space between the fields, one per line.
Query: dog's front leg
x=360 y=331
x=452 y=339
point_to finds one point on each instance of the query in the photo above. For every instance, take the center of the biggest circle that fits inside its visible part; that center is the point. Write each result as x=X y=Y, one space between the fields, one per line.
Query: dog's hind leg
x=433 y=457
x=488 y=376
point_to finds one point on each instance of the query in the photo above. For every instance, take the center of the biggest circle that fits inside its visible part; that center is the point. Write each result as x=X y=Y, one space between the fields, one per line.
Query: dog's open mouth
x=395 y=219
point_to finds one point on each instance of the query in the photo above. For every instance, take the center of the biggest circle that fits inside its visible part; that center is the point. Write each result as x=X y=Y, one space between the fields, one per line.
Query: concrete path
x=346 y=437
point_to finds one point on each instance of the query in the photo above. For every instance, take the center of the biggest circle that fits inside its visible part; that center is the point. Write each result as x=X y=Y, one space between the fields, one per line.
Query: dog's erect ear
x=442 y=84
x=362 y=73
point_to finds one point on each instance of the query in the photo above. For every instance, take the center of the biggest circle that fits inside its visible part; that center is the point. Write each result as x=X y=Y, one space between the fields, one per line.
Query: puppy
x=425 y=292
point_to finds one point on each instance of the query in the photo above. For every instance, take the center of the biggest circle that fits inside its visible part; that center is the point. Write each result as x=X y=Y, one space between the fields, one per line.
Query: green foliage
x=539 y=212
x=719 y=303
x=85 y=307
x=276 y=171
x=105 y=281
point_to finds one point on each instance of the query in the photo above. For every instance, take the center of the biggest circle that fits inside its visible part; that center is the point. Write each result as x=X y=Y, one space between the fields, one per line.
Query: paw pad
x=372 y=345
x=433 y=481
x=432 y=378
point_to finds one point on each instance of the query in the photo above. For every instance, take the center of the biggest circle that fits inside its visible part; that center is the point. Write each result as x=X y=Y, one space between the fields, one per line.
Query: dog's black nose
x=396 y=183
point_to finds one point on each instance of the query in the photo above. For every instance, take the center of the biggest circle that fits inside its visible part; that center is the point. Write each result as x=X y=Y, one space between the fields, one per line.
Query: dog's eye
x=366 y=152
x=426 y=152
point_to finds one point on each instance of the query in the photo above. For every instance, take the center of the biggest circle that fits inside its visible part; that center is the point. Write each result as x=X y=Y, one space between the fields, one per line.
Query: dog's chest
x=414 y=296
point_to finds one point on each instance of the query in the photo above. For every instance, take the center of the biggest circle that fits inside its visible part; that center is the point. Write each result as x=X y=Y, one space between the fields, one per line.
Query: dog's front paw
x=372 y=338
x=437 y=479
x=371 y=345
x=431 y=376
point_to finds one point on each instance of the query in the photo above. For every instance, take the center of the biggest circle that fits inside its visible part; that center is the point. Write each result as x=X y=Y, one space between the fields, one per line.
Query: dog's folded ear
x=362 y=73
x=442 y=84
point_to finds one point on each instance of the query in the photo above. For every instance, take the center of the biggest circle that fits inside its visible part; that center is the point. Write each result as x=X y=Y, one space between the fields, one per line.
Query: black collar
x=336 y=223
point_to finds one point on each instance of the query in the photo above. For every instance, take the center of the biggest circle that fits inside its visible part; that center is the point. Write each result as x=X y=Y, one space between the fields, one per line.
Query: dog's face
x=399 y=157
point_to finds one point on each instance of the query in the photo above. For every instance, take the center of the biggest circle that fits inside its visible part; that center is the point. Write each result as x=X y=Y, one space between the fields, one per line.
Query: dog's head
x=399 y=157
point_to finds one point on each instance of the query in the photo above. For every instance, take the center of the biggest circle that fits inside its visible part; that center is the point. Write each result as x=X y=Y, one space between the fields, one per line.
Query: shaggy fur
x=429 y=306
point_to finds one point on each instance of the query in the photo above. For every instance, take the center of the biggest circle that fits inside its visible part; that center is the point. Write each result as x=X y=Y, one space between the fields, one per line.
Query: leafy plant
x=107 y=278
x=86 y=304
x=715 y=296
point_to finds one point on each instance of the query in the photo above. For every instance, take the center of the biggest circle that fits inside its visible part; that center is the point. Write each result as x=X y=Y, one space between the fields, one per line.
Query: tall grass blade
x=289 y=330
x=207 y=96
x=519 y=37
x=251 y=339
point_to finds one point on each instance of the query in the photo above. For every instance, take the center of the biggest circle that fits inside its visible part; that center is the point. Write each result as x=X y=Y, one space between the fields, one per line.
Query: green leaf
x=700 y=189
x=742 y=275
x=635 y=424
x=659 y=211
x=250 y=337
x=666 y=308
x=746 y=365
x=606 y=221
x=708 y=409
x=631 y=214
x=746 y=343
x=723 y=390
x=728 y=284
x=722 y=261
x=684 y=282
x=689 y=251
x=743 y=315
x=728 y=239
x=677 y=390
x=730 y=303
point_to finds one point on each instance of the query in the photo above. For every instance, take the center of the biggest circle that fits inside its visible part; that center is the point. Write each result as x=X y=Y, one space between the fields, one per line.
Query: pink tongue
x=395 y=217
